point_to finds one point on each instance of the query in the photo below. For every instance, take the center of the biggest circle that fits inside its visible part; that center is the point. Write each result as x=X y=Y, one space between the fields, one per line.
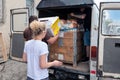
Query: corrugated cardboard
x=52 y=24
x=67 y=48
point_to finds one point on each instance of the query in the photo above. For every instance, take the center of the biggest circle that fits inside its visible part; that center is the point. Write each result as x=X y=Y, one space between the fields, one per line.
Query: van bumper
x=62 y=73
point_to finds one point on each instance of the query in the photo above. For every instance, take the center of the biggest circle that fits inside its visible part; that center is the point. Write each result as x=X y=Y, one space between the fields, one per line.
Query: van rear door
x=19 y=21
x=109 y=40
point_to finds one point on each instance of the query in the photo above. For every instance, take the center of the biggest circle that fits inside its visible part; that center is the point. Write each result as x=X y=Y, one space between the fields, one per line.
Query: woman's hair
x=37 y=27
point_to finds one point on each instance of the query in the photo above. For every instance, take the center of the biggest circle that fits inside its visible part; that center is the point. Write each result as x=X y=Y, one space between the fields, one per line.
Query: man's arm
x=52 y=39
x=78 y=16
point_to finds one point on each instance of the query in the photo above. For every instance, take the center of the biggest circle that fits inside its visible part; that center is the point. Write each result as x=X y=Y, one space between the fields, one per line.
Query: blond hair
x=37 y=27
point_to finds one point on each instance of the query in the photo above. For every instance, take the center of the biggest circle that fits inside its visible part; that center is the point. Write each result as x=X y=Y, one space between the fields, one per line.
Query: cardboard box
x=67 y=48
x=52 y=23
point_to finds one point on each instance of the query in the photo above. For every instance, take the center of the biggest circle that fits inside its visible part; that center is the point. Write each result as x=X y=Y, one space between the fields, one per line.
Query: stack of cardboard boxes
x=68 y=46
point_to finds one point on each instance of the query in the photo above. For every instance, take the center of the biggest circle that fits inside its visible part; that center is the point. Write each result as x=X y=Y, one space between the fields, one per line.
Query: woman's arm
x=24 y=57
x=44 y=64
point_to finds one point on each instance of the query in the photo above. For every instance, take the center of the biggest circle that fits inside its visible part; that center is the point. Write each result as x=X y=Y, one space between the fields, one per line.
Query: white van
x=104 y=48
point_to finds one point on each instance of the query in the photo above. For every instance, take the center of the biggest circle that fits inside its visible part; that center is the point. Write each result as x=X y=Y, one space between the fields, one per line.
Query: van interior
x=63 y=12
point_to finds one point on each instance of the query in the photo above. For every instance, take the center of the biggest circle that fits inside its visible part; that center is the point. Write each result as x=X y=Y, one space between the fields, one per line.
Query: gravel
x=13 y=70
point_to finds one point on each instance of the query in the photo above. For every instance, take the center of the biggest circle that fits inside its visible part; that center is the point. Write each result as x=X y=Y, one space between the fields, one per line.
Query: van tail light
x=93 y=72
x=93 y=51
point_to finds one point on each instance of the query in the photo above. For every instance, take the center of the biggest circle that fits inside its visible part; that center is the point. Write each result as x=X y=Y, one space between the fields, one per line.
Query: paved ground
x=13 y=70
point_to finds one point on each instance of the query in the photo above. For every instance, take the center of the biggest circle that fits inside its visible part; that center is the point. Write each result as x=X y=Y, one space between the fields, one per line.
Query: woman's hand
x=57 y=63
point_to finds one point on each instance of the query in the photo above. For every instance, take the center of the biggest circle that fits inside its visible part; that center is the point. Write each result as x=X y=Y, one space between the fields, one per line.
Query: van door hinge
x=100 y=71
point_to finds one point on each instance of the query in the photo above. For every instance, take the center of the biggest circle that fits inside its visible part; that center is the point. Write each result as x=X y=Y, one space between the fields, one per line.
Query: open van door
x=19 y=21
x=109 y=40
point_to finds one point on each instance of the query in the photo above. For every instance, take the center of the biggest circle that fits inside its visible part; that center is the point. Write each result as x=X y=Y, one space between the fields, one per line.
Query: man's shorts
x=87 y=38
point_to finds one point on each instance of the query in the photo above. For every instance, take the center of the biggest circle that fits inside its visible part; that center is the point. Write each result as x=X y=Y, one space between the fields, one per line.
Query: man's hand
x=72 y=14
x=83 y=16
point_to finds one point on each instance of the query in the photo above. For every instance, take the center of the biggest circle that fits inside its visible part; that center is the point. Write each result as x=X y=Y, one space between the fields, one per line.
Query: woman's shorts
x=28 y=78
x=87 y=38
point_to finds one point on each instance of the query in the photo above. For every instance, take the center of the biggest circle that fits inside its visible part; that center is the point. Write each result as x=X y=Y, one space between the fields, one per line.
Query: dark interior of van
x=63 y=8
x=63 y=14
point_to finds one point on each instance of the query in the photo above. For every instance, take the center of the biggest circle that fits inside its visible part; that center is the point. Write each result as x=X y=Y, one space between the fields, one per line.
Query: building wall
x=36 y=3
x=5 y=26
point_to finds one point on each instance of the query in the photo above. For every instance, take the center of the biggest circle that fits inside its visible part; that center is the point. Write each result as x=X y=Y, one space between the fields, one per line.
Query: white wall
x=36 y=3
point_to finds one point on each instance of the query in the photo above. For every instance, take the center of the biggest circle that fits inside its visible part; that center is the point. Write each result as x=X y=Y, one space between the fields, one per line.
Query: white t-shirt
x=34 y=49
